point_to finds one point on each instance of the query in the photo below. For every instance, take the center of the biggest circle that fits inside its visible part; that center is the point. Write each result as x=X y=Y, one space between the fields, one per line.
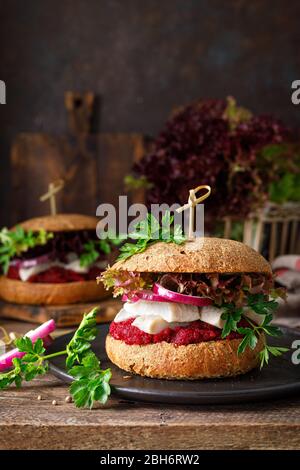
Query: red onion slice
x=29 y=263
x=133 y=298
x=144 y=295
x=171 y=296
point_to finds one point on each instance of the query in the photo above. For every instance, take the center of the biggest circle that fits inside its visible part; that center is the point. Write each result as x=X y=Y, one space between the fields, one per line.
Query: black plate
x=278 y=379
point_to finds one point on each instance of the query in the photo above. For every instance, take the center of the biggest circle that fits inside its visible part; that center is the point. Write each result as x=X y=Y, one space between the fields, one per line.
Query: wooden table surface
x=27 y=423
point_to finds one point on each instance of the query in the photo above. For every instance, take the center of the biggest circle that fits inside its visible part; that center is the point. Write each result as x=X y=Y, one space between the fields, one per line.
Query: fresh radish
x=43 y=331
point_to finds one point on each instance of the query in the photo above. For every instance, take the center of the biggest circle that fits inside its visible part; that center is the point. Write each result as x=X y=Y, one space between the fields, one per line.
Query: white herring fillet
x=153 y=317
x=168 y=311
x=26 y=273
x=123 y=315
x=151 y=324
x=212 y=316
x=73 y=264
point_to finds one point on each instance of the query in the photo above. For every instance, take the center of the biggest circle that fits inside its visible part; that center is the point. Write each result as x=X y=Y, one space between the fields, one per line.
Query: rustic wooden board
x=64 y=315
x=92 y=166
x=26 y=423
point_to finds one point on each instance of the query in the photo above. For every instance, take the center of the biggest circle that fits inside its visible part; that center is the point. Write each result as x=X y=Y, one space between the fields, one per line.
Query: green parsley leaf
x=15 y=242
x=27 y=367
x=130 y=249
x=13 y=376
x=80 y=344
x=272 y=330
x=250 y=339
x=91 y=383
x=277 y=351
x=259 y=304
x=90 y=254
x=232 y=316
x=264 y=355
x=178 y=236
x=150 y=231
x=93 y=248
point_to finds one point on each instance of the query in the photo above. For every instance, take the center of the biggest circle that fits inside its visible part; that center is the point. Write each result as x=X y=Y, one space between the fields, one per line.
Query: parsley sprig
x=91 y=383
x=93 y=248
x=275 y=351
x=150 y=231
x=251 y=336
x=15 y=242
x=80 y=344
x=27 y=368
x=261 y=305
x=232 y=315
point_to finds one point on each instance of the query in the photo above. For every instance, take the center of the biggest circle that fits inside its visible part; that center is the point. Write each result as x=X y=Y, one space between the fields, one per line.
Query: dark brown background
x=142 y=57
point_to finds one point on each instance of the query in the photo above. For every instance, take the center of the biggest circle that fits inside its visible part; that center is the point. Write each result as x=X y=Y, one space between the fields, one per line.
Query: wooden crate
x=273 y=230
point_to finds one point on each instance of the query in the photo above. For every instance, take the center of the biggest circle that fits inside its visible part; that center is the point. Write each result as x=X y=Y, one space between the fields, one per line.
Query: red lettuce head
x=216 y=143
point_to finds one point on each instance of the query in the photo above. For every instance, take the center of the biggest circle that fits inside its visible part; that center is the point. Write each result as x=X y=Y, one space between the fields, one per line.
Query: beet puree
x=57 y=275
x=196 y=332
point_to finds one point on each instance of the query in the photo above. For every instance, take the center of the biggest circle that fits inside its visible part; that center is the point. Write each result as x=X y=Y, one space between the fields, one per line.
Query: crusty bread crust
x=61 y=223
x=195 y=361
x=204 y=255
x=36 y=293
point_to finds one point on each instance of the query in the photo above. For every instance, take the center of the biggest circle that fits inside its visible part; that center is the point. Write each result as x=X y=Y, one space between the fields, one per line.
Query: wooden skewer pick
x=53 y=188
x=191 y=205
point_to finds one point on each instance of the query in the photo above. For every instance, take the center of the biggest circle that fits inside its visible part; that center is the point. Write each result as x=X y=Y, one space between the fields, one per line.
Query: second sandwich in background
x=53 y=260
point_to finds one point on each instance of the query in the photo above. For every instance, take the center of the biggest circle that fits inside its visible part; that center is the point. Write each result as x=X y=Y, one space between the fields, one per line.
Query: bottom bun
x=193 y=361
x=38 y=293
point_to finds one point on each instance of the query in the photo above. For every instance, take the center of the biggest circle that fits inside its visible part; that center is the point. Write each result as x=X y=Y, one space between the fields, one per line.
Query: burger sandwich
x=192 y=310
x=53 y=259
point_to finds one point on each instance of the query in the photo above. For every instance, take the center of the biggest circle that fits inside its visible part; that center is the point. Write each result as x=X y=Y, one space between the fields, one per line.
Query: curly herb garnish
x=15 y=242
x=260 y=304
x=150 y=231
x=90 y=385
x=93 y=248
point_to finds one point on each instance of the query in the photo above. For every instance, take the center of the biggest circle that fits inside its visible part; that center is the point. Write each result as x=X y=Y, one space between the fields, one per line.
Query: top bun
x=61 y=223
x=203 y=255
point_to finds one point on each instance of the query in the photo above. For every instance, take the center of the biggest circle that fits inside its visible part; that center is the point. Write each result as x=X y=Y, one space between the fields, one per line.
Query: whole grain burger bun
x=37 y=293
x=163 y=360
x=60 y=223
x=203 y=255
